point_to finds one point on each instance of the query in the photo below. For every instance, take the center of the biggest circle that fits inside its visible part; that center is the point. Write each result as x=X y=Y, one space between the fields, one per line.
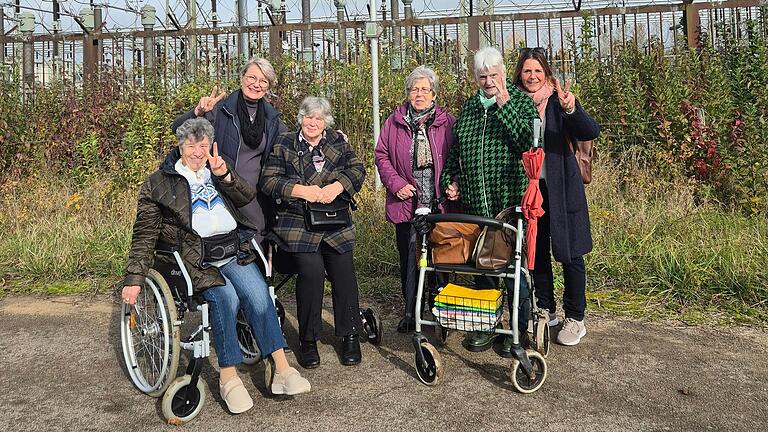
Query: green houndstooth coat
x=486 y=156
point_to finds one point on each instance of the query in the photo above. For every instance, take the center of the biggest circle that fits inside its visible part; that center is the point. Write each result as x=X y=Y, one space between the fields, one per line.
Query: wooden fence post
x=692 y=26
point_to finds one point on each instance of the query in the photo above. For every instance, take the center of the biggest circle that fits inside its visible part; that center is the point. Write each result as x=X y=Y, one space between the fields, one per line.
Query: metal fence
x=174 y=57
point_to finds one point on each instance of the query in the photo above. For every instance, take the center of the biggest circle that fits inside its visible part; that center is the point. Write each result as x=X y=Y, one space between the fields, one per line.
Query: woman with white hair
x=410 y=155
x=246 y=127
x=484 y=170
x=317 y=165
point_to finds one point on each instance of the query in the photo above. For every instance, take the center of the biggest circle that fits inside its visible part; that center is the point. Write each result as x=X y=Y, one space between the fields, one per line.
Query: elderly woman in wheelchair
x=191 y=203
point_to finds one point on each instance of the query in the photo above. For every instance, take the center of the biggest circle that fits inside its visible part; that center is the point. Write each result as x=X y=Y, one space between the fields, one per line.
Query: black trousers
x=574 y=272
x=405 y=239
x=340 y=268
x=408 y=246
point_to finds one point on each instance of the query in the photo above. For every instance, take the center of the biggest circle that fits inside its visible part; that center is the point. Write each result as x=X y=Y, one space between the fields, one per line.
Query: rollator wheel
x=178 y=406
x=522 y=381
x=280 y=312
x=149 y=335
x=542 y=337
x=372 y=325
x=269 y=373
x=248 y=346
x=433 y=373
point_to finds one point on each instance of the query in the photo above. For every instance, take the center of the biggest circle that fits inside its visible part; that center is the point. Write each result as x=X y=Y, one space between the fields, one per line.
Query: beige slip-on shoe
x=236 y=396
x=290 y=382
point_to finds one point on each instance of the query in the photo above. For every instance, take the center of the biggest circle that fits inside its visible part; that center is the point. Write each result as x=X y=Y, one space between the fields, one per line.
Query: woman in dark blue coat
x=565 y=224
x=246 y=127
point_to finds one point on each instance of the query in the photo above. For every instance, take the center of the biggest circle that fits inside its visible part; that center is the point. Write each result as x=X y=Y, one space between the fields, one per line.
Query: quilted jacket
x=282 y=172
x=486 y=155
x=164 y=214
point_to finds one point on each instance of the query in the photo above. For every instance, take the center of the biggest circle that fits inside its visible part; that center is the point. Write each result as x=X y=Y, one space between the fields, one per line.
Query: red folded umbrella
x=532 y=200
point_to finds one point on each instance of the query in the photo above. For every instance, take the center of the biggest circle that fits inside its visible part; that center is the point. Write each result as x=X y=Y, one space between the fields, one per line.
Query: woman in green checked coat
x=484 y=169
x=316 y=164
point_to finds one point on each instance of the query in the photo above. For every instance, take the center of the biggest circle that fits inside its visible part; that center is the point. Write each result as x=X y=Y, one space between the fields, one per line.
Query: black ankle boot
x=406 y=325
x=350 y=350
x=309 y=358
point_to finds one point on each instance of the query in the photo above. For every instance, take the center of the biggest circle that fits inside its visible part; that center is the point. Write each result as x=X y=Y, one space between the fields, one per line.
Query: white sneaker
x=572 y=332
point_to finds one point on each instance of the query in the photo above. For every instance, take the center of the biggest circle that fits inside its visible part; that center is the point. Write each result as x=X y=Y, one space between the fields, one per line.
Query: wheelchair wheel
x=525 y=383
x=433 y=372
x=372 y=325
x=180 y=405
x=150 y=337
x=280 y=312
x=248 y=347
x=269 y=373
x=541 y=340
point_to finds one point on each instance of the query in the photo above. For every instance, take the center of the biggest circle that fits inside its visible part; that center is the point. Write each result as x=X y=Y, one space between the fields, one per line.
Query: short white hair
x=195 y=129
x=313 y=105
x=487 y=58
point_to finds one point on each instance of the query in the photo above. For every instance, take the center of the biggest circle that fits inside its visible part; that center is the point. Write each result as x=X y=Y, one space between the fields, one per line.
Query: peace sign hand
x=218 y=166
x=207 y=103
x=503 y=95
x=566 y=98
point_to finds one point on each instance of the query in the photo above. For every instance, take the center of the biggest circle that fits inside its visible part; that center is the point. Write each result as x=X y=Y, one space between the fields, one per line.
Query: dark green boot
x=478 y=341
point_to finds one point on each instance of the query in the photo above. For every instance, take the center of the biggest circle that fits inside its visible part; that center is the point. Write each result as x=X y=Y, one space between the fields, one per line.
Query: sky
x=123 y=14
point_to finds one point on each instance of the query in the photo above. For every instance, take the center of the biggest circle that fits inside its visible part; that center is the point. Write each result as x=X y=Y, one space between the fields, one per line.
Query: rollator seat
x=469 y=269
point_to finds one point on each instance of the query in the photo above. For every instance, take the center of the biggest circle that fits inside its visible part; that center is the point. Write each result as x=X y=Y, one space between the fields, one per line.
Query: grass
x=658 y=253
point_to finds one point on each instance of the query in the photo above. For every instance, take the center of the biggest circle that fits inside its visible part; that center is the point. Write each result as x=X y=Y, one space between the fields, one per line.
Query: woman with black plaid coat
x=316 y=164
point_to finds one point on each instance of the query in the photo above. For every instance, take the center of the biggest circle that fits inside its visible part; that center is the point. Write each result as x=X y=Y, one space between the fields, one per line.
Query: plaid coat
x=282 y=172
x=486 y=155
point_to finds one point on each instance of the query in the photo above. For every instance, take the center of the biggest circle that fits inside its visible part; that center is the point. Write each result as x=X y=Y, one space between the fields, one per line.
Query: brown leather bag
x=452 y=242
x=494 y=247
x=585 y=152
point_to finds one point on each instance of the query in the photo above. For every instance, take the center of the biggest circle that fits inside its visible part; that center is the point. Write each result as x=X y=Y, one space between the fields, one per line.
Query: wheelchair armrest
x=164 y=248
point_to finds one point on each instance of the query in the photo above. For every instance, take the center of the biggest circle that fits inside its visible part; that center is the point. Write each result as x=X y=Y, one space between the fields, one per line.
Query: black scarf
x=252 y=131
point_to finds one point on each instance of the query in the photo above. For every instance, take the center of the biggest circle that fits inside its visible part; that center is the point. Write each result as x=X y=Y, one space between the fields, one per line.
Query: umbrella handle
x=536 y=132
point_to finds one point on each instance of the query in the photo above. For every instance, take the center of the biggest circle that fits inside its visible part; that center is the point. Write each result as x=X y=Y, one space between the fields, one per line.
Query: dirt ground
x=61 y=368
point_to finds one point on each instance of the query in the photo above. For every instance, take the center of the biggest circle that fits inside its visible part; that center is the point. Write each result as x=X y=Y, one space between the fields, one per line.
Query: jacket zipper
x=435 y=161
x=239 y=136
x=189 y=192
x=482 y=163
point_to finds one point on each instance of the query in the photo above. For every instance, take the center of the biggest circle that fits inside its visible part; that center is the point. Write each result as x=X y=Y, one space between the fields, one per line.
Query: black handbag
x=325 y=217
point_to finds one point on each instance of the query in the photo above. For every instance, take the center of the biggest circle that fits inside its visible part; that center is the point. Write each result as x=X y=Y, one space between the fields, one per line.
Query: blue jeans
x=244 y=288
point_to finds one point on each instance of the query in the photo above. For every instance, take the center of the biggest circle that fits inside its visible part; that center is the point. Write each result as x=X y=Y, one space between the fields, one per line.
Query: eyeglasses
x=422 y=90
x=252 y=79
x=195 y=146
x=537 y=50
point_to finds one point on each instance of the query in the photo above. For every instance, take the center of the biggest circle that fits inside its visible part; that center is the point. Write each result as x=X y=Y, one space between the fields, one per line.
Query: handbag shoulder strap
x=300 y=155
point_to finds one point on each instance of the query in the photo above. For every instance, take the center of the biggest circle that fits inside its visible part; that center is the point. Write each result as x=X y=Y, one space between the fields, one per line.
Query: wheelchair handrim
x=129 y=351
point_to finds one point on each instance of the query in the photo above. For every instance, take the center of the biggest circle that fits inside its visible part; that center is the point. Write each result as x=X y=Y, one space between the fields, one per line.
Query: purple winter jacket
x=395 y=163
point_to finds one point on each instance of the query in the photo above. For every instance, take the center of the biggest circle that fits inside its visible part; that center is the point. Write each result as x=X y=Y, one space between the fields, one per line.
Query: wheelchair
x=151 y=336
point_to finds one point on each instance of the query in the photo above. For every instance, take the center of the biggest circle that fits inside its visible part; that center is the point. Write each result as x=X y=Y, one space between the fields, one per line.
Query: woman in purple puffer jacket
x=410 y=155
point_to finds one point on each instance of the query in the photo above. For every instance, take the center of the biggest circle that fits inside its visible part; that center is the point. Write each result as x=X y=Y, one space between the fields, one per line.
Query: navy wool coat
x=568 y=212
